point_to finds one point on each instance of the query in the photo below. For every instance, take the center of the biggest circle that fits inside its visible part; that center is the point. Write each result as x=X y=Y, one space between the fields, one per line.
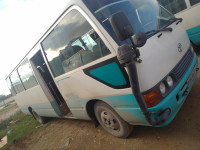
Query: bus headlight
x=170 y=81
x=162 y=88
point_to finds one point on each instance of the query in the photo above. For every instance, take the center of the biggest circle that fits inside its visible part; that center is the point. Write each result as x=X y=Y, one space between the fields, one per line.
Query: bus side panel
x=78 y=87
x=127 y=107
x=194 y=35
x=45 y=109
x=36 y=99
x=191 y=23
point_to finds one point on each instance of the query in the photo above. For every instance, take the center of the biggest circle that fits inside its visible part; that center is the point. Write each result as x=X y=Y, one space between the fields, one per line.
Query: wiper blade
x=176 y=19
x=159 y=30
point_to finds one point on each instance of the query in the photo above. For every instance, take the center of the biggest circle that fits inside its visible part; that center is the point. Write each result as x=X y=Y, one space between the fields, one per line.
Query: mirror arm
x=136 y=50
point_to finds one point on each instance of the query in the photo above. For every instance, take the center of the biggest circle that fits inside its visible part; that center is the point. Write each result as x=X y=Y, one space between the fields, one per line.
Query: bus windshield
x=144 y=15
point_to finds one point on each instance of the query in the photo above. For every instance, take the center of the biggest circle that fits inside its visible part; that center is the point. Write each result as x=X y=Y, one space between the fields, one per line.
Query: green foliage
x=24 y=127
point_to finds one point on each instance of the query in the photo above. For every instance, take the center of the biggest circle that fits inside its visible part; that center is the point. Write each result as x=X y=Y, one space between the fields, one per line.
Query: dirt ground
x=8 y=111
x=182 y=134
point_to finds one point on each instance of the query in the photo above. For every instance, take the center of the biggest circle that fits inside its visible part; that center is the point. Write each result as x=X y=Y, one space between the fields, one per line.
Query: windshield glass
x=144 y=15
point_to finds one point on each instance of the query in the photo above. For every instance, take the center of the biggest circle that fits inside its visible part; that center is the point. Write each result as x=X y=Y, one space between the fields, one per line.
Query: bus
x=189 y=10
x=118 y=63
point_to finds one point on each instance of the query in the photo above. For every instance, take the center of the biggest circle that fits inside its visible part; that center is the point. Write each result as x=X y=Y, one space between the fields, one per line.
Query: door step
x=64 y=108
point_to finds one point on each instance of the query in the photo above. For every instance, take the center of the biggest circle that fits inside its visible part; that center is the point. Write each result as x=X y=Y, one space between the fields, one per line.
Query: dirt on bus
x=182 y=134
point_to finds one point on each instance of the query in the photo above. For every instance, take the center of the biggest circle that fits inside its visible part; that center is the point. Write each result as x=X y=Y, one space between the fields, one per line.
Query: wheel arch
x=90 y=111
x=30 y=109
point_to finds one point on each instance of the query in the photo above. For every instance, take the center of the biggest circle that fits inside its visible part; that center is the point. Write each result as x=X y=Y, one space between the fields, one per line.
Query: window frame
x=11 y=86
x=16 y=70
x=192 y=5
x=98 y=29
x=28 y=62
x=188 y=6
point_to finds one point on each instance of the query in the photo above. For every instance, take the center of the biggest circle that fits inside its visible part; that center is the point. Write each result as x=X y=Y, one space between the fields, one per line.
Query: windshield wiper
x=179 y=20
x=158 y=30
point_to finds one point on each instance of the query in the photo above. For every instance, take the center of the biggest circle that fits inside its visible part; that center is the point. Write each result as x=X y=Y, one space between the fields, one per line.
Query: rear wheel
x=111 y=121
x=40 y=119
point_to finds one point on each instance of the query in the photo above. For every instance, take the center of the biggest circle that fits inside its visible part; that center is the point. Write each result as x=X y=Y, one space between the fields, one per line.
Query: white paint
x=191 y=16
x=160 y=55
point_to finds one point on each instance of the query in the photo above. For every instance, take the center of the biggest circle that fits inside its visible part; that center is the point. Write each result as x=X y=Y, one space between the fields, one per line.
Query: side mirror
x=124 y=30
x=140 y=39
x=121 y=26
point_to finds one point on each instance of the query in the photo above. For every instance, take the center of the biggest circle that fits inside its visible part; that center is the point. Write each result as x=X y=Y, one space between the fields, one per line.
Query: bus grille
x=182 y=66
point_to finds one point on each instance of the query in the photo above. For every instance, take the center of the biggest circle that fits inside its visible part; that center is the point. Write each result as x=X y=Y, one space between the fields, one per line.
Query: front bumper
x=174 y=100
x=177 y=97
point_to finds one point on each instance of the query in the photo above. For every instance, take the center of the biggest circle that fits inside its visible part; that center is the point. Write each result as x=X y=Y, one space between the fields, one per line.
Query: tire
x=40 y=119
x=111 y=121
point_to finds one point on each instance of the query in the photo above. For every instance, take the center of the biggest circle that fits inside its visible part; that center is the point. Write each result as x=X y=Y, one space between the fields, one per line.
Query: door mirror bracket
x=124 y=30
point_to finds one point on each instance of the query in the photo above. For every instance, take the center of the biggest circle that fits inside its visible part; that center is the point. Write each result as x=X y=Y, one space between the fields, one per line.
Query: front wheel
x=111 y=121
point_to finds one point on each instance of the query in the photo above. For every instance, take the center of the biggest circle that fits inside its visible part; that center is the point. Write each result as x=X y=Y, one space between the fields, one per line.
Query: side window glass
x=174 y=6
x=26 y=75
x=10 y=86
x=16 y=82
x=72 y=44
x=193 y=2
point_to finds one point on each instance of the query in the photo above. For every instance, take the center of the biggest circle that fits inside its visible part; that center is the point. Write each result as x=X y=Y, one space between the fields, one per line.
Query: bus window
x=10 y=86
x=16 y=82
x=26 y=75
x=194 y=2
x=72 y=44
x=174 y=6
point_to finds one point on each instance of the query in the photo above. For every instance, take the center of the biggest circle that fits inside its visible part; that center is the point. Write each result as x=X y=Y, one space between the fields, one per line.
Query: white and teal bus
x=189 y=10
x=119 y=63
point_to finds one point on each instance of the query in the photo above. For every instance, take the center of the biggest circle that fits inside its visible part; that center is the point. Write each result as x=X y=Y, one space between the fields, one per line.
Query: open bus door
x=47 y=83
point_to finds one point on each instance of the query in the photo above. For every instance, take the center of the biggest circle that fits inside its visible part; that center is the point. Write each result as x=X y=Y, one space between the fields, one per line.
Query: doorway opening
x=39 y=63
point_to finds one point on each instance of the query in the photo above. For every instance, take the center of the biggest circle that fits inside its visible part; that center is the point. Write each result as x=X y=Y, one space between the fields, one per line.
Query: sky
x=22 y=23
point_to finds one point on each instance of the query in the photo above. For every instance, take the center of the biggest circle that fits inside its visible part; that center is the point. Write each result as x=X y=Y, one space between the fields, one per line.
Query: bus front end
x=167 y=64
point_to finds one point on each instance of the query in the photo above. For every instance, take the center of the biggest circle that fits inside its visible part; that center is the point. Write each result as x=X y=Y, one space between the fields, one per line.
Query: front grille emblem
x=180 y=47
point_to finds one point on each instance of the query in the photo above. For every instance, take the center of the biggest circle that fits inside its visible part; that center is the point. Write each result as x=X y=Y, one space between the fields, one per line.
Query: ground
x=8 y=111
x=182 y=134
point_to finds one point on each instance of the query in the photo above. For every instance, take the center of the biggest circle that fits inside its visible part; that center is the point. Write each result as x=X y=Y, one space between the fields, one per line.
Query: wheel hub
x=109 y=121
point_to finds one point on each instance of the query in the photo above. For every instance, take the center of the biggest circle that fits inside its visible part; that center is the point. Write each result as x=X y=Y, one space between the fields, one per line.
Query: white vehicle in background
x=189 y=10
x=116 y=62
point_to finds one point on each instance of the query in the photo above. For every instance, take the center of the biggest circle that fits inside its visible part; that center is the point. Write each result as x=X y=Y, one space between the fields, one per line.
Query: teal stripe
x=110 y=74
x=127 y=107
x=56 y=108
x=194 y=35
x=43 y=108
x=63 y=79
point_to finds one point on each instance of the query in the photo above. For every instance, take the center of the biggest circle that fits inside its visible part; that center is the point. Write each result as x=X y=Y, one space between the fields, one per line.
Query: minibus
x=189 y=10
x=118 y=63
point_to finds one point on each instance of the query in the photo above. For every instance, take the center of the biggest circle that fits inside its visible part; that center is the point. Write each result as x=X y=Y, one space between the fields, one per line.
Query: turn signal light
x=152 y=98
